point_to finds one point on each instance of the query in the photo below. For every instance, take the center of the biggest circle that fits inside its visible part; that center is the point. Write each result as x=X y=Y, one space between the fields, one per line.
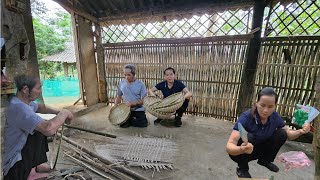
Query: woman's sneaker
x=243 y=173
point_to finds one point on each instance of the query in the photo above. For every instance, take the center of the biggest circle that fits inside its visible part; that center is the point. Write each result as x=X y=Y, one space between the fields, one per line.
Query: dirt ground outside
x=201 y=143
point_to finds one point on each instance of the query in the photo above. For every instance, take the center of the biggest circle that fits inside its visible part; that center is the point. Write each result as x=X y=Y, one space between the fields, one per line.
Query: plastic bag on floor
x=294 y=159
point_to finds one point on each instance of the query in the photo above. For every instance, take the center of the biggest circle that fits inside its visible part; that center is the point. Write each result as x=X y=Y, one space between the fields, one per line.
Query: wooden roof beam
x=70 y=8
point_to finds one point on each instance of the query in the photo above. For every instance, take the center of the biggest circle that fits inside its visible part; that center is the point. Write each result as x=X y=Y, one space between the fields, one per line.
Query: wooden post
x=65 y=69
x=316 y=136
x=32 y=61
x=250 y=67
x=76 y=46
x=101 y=65
x=86 y=60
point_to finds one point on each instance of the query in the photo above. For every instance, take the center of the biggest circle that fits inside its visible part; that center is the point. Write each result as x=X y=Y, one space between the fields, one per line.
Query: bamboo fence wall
x=211 y=68
x=290 y=65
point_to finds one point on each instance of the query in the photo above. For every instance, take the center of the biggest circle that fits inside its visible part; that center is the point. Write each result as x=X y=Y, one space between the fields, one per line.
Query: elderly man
x=25 y=142
x=132 y=92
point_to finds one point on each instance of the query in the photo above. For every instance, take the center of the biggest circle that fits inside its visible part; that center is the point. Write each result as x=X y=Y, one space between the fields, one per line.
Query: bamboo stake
x=91 y=131
x=105 y=168
x=87 y=166
x=102 y=159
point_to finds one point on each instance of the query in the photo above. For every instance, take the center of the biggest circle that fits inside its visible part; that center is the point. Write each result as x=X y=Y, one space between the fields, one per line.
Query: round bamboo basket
x=170 y=108
x=172 y=99
x=158 y=114
x=151 y=100
x=165 y=108
x=119 y=114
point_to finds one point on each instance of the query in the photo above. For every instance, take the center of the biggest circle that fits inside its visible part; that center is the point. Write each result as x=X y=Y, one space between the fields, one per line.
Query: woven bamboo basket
x=151 y=100
x=158 y=114
x=172 y=99
x=170 y=108
x=119 y=114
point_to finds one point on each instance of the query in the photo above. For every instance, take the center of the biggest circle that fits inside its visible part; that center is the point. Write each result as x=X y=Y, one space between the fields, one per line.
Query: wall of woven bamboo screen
x=282 y=19
x=290 y=65
x=210 y=69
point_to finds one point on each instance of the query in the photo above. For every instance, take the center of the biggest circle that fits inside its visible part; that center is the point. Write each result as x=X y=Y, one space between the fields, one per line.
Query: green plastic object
x=300 y=116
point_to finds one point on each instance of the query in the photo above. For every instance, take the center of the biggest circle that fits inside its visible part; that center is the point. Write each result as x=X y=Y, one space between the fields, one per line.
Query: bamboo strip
x=102 y=159
x=87 y=166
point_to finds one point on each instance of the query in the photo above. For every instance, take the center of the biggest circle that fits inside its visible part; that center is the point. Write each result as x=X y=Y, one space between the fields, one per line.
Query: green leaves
x=51 y=33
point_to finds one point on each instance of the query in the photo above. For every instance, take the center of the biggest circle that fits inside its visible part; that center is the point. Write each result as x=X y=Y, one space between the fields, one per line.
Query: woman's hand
x=246 y=148
x=131 y=104
x=305 y=129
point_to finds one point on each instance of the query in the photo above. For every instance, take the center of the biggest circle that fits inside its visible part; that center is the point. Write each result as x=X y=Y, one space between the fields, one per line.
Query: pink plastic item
x=294 y=159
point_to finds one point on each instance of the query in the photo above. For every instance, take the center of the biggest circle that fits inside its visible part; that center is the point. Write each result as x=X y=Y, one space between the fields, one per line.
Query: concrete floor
x=201 y=143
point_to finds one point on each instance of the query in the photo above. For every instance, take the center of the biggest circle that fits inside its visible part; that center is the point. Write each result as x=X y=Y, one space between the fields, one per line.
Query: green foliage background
x=51 y=32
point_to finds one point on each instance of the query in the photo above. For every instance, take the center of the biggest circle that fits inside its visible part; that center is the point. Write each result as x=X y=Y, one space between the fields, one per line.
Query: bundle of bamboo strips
x=86 y=156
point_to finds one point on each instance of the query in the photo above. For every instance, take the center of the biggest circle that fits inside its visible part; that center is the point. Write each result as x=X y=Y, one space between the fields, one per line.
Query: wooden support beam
x=72 y=9
x=166 y=10
x=250 y=67
x=101 y=65
x=88 y=65
x=76 y=46
x=316 y=136
x=32 y=60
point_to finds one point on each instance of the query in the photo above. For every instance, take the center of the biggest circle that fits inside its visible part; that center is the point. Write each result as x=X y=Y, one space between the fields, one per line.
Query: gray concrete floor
x=201 y=142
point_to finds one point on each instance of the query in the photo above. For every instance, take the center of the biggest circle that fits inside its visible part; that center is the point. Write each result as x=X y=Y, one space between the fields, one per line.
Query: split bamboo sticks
x=102 y=159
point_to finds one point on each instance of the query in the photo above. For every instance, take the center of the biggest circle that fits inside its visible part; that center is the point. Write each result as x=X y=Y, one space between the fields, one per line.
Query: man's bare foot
x=43 y=168
x=34 y=175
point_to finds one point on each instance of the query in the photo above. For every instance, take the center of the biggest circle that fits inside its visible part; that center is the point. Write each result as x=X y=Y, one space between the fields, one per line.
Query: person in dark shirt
x=266 y=134
x=169 y=87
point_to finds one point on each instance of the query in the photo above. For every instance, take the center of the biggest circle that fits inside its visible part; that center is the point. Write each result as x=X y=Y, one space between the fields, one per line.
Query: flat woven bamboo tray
x=119 y=114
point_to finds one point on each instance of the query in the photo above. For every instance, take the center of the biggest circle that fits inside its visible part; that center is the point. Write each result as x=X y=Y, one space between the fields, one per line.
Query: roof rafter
x=71 y=9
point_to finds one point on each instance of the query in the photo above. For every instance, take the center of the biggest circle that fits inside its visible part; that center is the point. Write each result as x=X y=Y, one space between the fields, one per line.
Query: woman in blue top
x=266 y=134
x=169 y=87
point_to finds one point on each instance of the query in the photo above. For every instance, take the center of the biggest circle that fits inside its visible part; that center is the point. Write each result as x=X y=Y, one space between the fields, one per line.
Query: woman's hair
x=169 y=68
x=267 y=91
x=25 y=80
x=131 y=67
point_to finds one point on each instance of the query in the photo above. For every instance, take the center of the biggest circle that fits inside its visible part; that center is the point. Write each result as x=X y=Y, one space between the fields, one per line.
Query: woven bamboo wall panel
x=290 y=65
x=210 y=69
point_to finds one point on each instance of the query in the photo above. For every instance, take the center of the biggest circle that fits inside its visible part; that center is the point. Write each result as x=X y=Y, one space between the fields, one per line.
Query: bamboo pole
x=91 y=131
x=316 y=136
x=105 y=168
x=87 y=166
x=102 y=159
